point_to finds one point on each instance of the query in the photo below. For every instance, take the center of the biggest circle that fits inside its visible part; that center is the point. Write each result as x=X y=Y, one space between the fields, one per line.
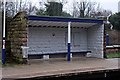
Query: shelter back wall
x=43 y=40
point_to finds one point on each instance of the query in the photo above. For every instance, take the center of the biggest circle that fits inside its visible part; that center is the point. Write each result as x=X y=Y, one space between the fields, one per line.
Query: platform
x=58 y=67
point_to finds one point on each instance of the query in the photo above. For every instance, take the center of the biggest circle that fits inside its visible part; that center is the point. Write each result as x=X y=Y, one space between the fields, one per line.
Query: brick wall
x=17 y=35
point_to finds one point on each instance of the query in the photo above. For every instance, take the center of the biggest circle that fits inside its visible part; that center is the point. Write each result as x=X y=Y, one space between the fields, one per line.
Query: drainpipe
x=107 y=39
x=69 y=41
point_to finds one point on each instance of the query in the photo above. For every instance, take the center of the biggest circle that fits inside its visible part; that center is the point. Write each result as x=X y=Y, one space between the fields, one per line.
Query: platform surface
x=51 y=67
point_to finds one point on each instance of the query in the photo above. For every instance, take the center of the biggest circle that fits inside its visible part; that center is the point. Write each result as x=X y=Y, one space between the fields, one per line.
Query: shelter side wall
x=54 y=40
x=95 y=41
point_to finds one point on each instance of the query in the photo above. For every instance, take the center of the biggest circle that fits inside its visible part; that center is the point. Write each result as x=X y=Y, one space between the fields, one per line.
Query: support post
x=69 y=40
x=3 y=39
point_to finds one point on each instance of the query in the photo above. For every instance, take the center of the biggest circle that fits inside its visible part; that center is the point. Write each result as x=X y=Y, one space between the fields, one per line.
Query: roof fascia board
x=59 y=19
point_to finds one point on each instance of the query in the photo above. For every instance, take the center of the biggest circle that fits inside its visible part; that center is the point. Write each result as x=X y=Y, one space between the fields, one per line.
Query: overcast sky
x=105 y=4
x=109 y=4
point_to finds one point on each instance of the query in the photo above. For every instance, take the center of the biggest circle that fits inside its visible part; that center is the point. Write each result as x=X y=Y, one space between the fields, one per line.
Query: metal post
x=69 y=40
x=3 y=42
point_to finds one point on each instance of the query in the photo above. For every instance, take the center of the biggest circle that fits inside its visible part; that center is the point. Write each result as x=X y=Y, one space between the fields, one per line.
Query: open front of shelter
x=56 y=36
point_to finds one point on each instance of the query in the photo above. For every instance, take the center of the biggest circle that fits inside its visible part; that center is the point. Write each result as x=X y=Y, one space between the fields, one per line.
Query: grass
x=0 y=63
x=113 y=55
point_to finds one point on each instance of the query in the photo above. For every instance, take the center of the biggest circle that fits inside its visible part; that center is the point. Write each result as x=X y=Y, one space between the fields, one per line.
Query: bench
x=38 y=53
x=57 y=54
